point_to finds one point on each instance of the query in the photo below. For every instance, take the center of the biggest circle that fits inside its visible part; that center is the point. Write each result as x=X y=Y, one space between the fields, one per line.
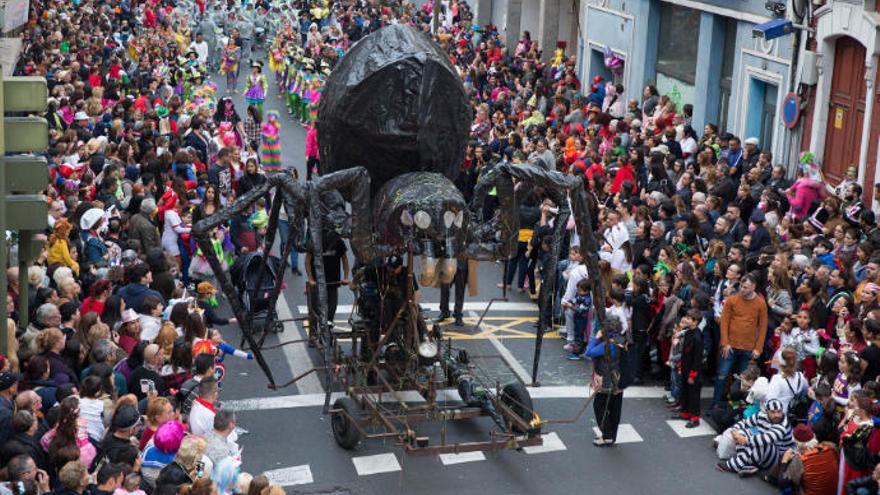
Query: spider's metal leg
x=354 y=183
x=202 y=232
x=555 y=184
x=589 y=248
x=320 y=312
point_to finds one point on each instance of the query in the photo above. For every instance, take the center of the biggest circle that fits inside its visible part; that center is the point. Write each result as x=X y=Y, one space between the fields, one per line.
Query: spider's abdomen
x=394 y=104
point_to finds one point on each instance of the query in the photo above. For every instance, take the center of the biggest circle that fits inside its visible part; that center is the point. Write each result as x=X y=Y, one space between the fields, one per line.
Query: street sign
x=791 y=110
x=27 y=212
x=25 y=174
x=21 y=177
x=25 y=134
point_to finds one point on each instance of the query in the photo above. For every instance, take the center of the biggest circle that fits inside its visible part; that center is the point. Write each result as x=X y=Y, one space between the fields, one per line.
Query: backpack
x=799 y=406
x=855 y=449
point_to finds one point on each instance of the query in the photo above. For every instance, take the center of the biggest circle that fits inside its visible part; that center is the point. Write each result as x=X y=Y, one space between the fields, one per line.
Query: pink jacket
x=87 y=451
x=312 y=143
x=804 y=192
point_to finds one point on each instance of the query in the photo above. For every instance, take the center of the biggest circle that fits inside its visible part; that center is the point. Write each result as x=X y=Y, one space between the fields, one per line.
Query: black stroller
x=244 y=272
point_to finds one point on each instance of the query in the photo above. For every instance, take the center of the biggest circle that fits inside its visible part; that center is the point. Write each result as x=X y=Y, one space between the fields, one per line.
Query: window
x=727 y=72
x=677 y=52
x=678 y=43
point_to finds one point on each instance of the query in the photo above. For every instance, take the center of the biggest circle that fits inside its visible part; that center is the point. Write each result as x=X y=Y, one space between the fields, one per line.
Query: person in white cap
x=81 y=125
x=751 y=152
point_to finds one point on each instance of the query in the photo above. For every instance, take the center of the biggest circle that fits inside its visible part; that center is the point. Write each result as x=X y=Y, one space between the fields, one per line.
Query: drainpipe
x=870 y=76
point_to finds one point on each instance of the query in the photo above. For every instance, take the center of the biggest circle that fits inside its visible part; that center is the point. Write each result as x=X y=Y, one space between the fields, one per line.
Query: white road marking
x=545 y=392
x=375 y=464
x=289 y=476
x=450 y=459
x=297 y=355
x=552 y=443
x=625 y=434
x=506 y=355
x=478 y=306
x=677 y=426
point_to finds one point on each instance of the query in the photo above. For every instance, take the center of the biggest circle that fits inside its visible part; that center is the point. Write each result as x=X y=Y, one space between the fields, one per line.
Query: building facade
x=698 y=52
x=841 y=120
x=550 y=22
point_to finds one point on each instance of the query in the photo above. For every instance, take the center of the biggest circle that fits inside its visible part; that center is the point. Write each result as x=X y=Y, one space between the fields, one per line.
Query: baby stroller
x=245 y=272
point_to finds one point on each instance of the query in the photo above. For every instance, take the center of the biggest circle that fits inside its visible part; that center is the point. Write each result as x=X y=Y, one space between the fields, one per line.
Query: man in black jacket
x=145 y=379
x=108 y=478
x=194 y=138
x=23 y=441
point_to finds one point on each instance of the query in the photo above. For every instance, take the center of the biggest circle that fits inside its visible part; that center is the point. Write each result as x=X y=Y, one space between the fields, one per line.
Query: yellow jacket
x=59 y=253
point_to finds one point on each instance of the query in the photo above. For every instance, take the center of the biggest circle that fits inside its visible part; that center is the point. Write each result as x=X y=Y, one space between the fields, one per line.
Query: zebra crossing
x=391 y=462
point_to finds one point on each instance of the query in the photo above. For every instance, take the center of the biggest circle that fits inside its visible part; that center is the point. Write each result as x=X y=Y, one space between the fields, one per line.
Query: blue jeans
x=736 y=361
x=560 y=287
x=520 y=262
x=675 y=384
x=283 y=232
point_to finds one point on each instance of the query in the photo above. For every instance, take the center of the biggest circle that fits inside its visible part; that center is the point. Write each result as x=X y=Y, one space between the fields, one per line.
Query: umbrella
x=90 y=218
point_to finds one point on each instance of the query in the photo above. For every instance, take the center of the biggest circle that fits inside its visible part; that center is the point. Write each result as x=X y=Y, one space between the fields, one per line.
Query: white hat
x=90 y=218
x=128 y=316
x=751 y=140
x=81 y=116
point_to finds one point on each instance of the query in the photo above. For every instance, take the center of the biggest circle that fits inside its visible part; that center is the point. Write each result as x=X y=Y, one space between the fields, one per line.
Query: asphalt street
x=290 y=438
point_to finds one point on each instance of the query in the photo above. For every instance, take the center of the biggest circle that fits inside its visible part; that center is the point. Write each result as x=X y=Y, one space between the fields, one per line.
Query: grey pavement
x=292 y=440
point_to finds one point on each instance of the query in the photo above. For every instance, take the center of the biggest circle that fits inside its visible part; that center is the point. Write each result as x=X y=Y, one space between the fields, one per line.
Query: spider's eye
x=448 y=218
x=459 y=219
x=422 y=219
x=406 y=219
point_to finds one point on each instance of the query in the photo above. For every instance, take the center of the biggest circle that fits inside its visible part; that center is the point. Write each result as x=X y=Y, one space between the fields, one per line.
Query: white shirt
x=201 y=420
x=577 y=274
x=617 y=259
x=150 y=326
x=171 y=231
x=201 y=49
x=623 y=313
x=616 y=236
x=783 y=391
x=92 y=410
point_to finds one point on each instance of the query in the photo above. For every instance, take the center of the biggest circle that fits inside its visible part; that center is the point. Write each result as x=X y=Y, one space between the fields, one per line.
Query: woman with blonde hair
x=189 y=464
x=50 y=344
x=59 y=246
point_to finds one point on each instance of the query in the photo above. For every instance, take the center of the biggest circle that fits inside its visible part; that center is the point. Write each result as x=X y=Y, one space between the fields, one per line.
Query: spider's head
x=425 y=211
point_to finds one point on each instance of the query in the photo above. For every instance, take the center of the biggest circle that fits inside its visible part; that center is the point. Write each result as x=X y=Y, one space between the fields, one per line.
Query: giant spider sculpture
x=396 y=106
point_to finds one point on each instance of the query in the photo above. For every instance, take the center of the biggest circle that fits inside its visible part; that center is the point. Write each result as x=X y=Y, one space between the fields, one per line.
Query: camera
x=776 y=7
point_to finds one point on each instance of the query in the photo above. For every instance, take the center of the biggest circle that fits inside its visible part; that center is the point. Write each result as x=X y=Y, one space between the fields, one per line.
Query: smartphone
x=145 y=386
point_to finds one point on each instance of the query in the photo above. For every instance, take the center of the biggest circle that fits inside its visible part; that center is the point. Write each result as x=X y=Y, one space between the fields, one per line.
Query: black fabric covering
x=394 y=104
x=418 y=191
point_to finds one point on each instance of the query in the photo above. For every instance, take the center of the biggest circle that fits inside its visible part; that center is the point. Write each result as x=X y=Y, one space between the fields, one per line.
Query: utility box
x=810 y=68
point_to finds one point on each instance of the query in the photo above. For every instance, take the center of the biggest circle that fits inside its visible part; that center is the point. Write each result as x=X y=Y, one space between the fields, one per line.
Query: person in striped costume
x=760 y=441
x=270 y=142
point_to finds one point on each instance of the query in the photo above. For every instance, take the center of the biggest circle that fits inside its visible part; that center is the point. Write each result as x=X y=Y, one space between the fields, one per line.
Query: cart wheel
x=345 y=429
x=517 y=398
